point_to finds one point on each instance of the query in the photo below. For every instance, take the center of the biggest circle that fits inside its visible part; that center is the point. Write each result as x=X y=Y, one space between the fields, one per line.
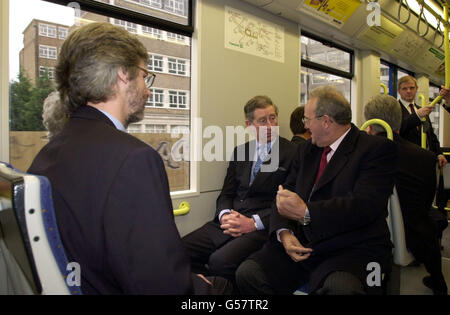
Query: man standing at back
x=110 y=190
x=329 y=224
x=241 y=221
x=415 y=181
x=412 y=116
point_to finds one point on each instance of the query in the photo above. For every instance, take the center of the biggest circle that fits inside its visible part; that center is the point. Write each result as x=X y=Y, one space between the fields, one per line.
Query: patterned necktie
x=261 y=156
x=323 y=162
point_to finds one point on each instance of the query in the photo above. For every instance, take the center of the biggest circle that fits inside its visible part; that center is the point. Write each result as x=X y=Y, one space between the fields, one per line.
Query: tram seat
x=32 y=257
x=402 y=257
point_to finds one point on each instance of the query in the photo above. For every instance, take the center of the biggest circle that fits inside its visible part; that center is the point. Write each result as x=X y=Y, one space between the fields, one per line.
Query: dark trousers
x=251 y=280
x=213 y=253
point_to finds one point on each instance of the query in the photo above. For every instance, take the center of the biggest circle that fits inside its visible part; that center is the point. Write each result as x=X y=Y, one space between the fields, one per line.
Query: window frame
x=112 y=11
x=135 y=17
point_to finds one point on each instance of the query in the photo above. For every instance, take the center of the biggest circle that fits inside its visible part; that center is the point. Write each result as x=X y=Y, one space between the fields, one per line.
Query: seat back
x=31 y=249
x=402 y=256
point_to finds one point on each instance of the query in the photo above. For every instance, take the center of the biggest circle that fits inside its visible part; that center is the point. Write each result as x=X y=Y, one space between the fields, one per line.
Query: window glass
x=337 y=72
x=315 y=51
x=44 y=26
x=172 y=10
x=384 y=72
x=315 y=78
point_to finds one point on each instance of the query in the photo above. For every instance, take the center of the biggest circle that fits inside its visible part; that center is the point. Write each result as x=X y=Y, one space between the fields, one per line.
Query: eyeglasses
x=306 y=119
x=149 y=78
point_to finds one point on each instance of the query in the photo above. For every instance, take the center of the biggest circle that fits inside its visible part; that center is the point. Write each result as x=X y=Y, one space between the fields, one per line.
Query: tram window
x=43 y=24
x=324 y=63
x=316 y=78
x=172 y=10
x=315 y=51
x=386 y=74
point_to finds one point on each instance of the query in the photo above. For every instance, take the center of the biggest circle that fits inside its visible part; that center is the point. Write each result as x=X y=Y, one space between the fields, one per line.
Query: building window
x=178 y=99
x=47 y=30
x=47 y=52
x=152 y=32
x=156 y=98
x=175 y=6
x=177 y=66
x=134 y=128
x=150 y=3
x=49 y=71
x=63 y=32
x=130 y=27
x=179 y=129
x=156 y=63
x=153 y=128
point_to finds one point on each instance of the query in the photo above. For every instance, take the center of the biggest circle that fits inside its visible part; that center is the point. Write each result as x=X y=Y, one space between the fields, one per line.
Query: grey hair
x=54 y=114
x=331 y=102
x=259 y=101
x=89 y=60
x=384 y=107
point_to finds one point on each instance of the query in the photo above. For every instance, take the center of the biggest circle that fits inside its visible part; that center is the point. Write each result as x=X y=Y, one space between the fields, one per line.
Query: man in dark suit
x=329 y=224
x=412 y=116
x=301 y=134
x=241 y=222
x=415 y=181
x=110 y=190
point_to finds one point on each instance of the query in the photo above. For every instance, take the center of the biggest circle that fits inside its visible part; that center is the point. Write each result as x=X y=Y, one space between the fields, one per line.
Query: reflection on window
x=315 y=51
x=171 y=10
x=167 y=114
x=316 y=78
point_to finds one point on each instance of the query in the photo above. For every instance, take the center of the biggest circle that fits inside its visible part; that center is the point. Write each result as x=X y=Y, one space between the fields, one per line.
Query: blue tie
x=261 y=156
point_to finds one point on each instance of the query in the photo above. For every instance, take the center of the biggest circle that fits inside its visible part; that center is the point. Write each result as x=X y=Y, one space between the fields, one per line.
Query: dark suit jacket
x=113 y=208
x=411 y=130
x=298 y=139
x=348 y=208
x=415 y=181
x=236 y=192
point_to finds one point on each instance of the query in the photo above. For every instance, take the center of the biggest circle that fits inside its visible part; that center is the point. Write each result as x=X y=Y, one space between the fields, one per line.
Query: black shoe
x=437 y=290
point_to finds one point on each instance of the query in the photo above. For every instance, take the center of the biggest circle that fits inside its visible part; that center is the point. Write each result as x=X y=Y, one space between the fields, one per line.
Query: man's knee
x=250 y=279
x=341 y=283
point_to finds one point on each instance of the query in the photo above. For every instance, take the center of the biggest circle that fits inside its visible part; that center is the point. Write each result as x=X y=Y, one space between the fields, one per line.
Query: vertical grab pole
x=447 y=52
x=423 y=134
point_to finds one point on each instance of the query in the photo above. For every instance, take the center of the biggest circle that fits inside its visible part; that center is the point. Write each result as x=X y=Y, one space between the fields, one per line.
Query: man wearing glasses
x=110 y=190
x=240 y=225
x=328 y=227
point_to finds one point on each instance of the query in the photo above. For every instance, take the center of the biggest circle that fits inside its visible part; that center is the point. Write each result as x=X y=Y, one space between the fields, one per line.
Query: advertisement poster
x=335 y=12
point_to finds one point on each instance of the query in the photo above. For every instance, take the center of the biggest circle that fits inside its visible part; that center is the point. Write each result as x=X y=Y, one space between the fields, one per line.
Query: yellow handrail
x=384 y=88
x=184 y=208
x=423 y=134
x=379 y=122
x=447 y=53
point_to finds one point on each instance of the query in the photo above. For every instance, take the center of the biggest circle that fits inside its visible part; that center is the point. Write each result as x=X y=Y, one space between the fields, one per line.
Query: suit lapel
x=310 y=165
x=339 y=159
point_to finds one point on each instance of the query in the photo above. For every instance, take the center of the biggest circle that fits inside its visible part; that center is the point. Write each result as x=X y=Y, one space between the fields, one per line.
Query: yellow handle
x=379 y=122
x=184 y=208
x=384 y=88
x=423 y=134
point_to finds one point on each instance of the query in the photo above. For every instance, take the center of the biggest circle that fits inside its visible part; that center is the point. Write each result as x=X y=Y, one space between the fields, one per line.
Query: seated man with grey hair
x=329 y=226
x=415 y=181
